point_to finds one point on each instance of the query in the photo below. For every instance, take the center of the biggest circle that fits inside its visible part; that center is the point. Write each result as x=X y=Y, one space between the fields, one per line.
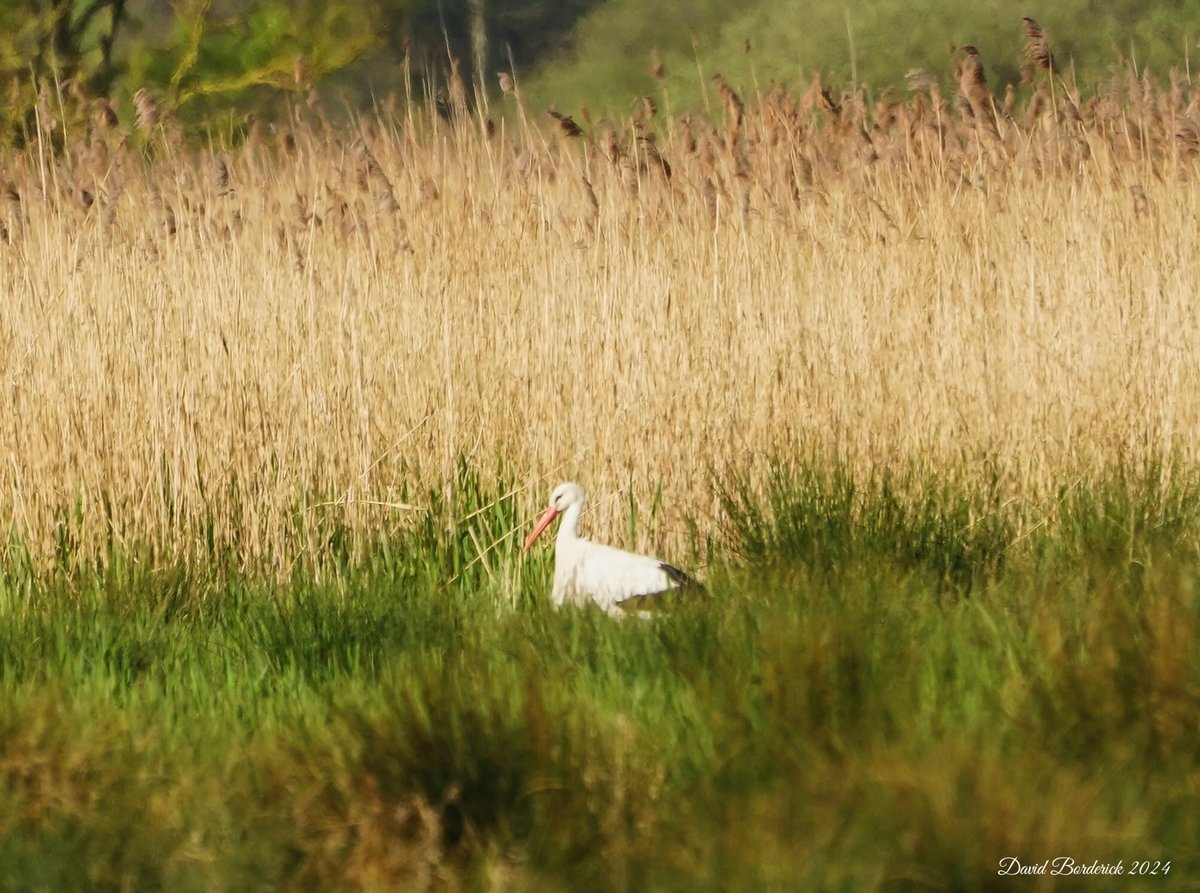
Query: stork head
x=561 y=498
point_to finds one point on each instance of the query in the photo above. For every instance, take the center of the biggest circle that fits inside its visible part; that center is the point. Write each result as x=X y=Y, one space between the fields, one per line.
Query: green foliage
x=953 y=537
x=826 y=720
x=207 y=57
x=201 y=59
x=59 y=38
x=762 y=42
x=46 y=44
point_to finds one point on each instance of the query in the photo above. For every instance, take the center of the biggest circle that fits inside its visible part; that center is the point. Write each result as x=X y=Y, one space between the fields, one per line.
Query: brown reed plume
x=644 y=109
x=164 y=213
x=221 y=176
x=372 y=178
x=649 y=149
x=458 y=89
x=818 y=96
x=1037 y=51
x=733 y=103
x=146 y=107
x=566 y=123
x=973 y=87
x=105 y=118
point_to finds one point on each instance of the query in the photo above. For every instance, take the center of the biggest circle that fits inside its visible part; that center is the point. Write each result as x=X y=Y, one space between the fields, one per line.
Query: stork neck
x=568 y=527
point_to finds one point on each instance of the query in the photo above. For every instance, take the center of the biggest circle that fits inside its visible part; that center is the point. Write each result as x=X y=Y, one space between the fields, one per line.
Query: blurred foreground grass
x=894 y=685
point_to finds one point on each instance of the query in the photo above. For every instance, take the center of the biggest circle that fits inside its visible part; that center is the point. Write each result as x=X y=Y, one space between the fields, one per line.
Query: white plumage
x=589 y=572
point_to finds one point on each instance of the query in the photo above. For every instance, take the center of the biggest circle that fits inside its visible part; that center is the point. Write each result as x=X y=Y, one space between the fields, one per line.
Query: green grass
x=893 y=685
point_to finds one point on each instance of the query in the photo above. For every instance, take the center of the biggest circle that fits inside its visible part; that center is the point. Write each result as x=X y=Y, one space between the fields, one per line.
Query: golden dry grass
x=235 y=347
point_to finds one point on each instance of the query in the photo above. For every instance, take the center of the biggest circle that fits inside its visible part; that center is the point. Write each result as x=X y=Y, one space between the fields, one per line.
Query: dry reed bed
x=237 y=346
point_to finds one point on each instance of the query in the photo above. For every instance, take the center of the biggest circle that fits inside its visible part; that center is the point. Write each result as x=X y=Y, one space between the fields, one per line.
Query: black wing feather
x=683 y=585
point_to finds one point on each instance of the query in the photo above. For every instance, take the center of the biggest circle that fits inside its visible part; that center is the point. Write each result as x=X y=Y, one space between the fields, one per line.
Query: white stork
x=589 y=572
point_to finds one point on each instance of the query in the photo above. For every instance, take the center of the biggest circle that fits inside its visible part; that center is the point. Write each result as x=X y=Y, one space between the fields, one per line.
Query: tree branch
x=90 y=12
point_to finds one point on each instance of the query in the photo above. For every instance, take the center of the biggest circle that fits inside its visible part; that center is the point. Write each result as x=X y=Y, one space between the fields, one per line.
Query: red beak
x=543 y=522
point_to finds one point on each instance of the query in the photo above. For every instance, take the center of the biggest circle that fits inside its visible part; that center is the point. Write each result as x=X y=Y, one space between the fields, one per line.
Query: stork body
x=587 y=572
